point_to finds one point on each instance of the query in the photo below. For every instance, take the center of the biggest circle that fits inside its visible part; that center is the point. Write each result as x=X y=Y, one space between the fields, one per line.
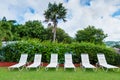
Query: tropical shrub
x=92 y=49
x=12 y=52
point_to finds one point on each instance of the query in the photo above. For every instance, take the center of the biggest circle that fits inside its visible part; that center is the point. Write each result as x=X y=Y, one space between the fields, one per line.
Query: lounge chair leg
x=37 y=69
x=46 y=69
x=84 y=69
x=115 y=70
x=103 y=69
x=118 y=69
x=56 y=68
x=106 y=69
x=75 y=69
x=41 y=64
x=27 y=69
x=94 y=69
x=9 y=69
x=22 y=68
x=64 y=69
x=19 y=69
x=12 y=68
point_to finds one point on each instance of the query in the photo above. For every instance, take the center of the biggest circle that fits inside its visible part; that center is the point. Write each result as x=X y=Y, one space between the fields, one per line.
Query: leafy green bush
x=111 y=56
x=12 y=52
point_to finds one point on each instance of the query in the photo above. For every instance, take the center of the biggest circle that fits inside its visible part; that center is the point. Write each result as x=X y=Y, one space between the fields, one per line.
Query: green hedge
x=12 y=52
x=111 y=56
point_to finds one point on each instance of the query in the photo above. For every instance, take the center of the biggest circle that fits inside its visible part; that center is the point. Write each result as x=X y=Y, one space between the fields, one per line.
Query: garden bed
x=6 y=64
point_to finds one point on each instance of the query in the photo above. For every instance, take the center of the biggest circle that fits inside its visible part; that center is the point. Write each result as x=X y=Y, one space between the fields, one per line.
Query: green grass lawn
x=51 y=74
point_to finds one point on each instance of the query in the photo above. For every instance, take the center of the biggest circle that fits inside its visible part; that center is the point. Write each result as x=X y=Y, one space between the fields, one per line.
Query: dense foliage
x=62 y=36
x=9 y=31
x=12 y=52
x=5 y=29
x=93 y=49
x=91 y=34
x=117 y=46
x=31 y=29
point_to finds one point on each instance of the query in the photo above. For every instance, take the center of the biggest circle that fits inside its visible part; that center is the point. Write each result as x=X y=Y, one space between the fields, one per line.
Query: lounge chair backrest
x=68 y=58
x=37 y=58
x=54 y=58
x=23 y=58
x=101 y=59
x=85 y=59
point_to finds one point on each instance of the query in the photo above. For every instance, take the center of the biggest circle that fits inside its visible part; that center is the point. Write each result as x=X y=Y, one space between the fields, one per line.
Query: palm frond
x=55 y=12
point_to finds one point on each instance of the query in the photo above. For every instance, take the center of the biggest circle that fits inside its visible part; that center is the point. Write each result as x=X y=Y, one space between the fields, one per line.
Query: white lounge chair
x=68 y=62
x=53 y=62
x=37 y=62
x=22 y=62
x=103 y=63
x=85 y=62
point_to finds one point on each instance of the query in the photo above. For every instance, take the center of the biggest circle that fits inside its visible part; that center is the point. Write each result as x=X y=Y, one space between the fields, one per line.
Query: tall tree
x=91 y=34
x=62 y=36
x=53 y=14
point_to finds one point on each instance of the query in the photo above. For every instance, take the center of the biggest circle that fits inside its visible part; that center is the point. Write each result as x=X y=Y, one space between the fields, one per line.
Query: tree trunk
x=54 y=32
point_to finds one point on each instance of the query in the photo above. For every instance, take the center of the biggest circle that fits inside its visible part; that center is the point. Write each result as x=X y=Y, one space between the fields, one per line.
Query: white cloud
x=97 y=14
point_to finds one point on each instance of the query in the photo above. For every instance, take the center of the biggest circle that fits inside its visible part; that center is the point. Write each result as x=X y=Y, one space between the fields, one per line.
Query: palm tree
x=53 y=14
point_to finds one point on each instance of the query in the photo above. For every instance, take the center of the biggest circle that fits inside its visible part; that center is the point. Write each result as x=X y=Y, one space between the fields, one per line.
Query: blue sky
x=116 y=13
x=104 y=14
